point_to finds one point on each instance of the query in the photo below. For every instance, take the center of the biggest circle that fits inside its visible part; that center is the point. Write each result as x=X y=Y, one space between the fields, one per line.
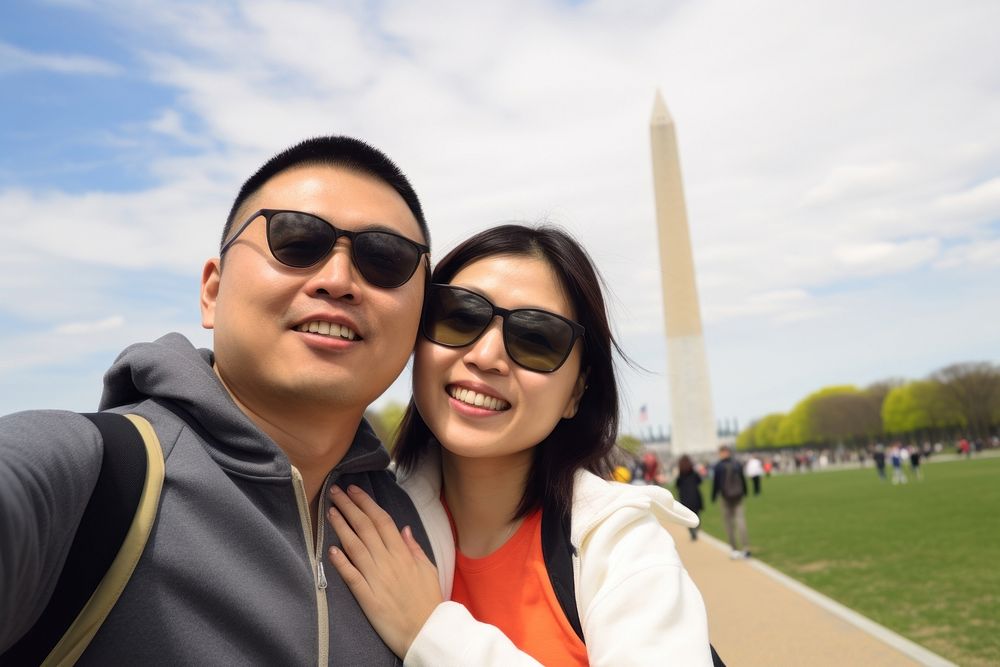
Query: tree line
x=960 y=399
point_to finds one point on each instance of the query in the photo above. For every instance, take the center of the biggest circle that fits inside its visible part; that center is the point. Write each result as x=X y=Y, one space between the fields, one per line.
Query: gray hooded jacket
x=231 y=573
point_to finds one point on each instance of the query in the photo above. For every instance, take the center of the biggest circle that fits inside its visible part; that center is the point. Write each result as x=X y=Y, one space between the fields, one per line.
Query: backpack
x=732 y=481
x=558 y=552
x=108 y=543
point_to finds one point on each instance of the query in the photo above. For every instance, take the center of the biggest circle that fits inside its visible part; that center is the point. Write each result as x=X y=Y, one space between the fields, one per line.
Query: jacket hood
x=180 y=377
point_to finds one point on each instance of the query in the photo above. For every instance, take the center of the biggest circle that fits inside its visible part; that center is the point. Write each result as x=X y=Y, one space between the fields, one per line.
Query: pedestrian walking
x=689 y=489
x=915 y=463
x=879 y=457
x=729 y=482
x=896 y=457
x=754 y=469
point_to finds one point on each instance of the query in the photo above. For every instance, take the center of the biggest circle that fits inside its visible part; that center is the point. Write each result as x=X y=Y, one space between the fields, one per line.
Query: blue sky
x=841 y=164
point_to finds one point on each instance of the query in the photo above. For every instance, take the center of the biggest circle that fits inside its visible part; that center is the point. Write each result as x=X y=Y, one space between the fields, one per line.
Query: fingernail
x=407 y=532
x=334 y=490
x=354 y=489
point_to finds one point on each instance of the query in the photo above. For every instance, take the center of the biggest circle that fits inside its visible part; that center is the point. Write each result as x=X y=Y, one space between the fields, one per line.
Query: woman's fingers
x=415 y=549
x=359 y=519
x=380 y=519
x=355 y=581
x=354 y=546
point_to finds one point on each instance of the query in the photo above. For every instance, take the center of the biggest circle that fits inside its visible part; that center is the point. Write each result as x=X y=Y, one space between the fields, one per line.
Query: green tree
x=746 y=439
x=831 y=415
x=386 y=421
x=630 y=444
x=766 y=430
x=973 y=389
x=919 y=406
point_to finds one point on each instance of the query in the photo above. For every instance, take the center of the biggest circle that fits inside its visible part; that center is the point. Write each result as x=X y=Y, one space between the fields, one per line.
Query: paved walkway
x=773 y=621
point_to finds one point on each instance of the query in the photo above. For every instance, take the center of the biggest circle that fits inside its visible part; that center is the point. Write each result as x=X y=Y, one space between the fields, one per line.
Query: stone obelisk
x=691 y=413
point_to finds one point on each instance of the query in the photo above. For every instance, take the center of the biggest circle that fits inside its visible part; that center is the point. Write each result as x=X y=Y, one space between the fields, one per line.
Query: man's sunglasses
x=534 y=339
x=301 y=240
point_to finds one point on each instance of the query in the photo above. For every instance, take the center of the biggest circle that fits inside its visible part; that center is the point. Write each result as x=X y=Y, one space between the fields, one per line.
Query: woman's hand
x=386 y=570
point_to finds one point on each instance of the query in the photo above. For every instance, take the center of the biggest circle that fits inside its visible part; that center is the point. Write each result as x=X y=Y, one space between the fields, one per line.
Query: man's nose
x=336 y=275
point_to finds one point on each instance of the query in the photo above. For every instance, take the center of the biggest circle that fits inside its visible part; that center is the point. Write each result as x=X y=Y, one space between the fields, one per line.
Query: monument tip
x=661 y=116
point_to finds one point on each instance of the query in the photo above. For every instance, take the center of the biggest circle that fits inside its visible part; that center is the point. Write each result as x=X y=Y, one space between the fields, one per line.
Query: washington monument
x=691 y=414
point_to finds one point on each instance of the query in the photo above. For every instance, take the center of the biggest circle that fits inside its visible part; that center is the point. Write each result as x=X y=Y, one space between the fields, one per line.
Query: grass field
x=922 y=559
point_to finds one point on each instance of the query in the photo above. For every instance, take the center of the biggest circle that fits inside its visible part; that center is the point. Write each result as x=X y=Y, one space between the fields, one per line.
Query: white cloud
x=885 y=257
x=91 y=327
x=970 y=256
x=13 y=59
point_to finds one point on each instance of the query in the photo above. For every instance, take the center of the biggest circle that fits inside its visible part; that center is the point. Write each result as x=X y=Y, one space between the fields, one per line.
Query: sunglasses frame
x=269 y=213
x=577 y=329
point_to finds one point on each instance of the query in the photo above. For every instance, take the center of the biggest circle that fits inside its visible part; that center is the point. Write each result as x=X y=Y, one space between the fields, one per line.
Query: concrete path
x=759 y=617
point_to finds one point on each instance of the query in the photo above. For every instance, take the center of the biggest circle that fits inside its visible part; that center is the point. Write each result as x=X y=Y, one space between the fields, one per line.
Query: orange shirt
x=510 y=589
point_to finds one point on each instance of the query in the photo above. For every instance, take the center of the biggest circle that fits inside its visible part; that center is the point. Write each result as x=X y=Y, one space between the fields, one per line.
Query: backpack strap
x=108 y=543
x=558 y=552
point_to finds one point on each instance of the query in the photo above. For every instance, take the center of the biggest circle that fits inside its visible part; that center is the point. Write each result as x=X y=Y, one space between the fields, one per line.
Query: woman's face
x=526 y=405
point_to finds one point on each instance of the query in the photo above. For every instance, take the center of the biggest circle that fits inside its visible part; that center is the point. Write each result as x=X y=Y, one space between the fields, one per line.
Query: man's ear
x=574 y=399
x=210 y=277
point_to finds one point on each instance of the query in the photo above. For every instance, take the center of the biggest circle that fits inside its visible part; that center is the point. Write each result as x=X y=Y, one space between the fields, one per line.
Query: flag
x=643 y=415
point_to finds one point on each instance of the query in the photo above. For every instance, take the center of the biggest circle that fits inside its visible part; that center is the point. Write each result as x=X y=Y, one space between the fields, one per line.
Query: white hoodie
x=637 y=604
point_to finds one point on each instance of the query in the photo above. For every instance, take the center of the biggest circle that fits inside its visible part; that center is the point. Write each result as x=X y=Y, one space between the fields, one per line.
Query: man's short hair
x=334 y=151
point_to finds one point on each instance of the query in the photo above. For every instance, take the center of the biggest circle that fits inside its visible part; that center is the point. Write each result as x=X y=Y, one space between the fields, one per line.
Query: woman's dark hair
x=584 y=441
x=684 y=465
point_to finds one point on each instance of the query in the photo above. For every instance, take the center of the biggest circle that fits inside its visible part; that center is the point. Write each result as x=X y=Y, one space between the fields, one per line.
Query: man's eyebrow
x=381 y=227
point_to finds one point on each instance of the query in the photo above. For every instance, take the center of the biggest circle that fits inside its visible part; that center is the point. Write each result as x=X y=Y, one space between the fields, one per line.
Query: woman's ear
x=574 y=399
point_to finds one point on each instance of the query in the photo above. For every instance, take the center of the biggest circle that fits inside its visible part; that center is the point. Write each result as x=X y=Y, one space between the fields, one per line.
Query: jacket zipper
x=314 y=548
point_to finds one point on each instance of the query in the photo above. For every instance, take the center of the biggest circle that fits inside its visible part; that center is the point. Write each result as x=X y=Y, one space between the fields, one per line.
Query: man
x=879 y=457
x=729 y=482
x=310 y=325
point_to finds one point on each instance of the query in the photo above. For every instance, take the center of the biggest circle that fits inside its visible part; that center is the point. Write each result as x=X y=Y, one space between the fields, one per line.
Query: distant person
x=754 y=469
x=915 y=463
x=896 y=456
x=964 y=448
x=621 y=474
x=729 y=482
x=650 y=468
x=878 y=456
x=689 y=489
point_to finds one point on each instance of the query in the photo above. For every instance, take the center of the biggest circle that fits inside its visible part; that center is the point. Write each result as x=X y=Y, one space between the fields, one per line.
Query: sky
x=841 y=164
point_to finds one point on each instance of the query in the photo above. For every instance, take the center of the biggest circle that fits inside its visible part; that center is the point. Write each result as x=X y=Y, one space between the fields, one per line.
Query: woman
x=688 y=483
x=515 y=413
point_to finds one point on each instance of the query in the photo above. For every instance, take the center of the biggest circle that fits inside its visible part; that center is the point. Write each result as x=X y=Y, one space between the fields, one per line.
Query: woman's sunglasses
x=534 y=339
x=301 y=240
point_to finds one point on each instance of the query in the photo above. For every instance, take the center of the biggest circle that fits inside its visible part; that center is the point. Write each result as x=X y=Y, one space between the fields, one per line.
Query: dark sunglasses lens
x=299 y=239
x=385 y=260
x=455 y=318
x=538 y=340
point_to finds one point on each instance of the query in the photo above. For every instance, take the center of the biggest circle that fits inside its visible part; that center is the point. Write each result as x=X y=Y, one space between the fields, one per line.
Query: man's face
x=258 y=306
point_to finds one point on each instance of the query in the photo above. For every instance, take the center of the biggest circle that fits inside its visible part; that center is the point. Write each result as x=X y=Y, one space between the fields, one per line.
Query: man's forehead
x=309 y=185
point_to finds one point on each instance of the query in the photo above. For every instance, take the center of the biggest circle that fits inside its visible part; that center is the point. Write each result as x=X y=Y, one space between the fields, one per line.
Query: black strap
x=558 y=552
x=98 y=538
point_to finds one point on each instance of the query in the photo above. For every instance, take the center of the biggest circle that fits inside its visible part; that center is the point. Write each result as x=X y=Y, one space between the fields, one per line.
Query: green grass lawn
x=922 y=559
